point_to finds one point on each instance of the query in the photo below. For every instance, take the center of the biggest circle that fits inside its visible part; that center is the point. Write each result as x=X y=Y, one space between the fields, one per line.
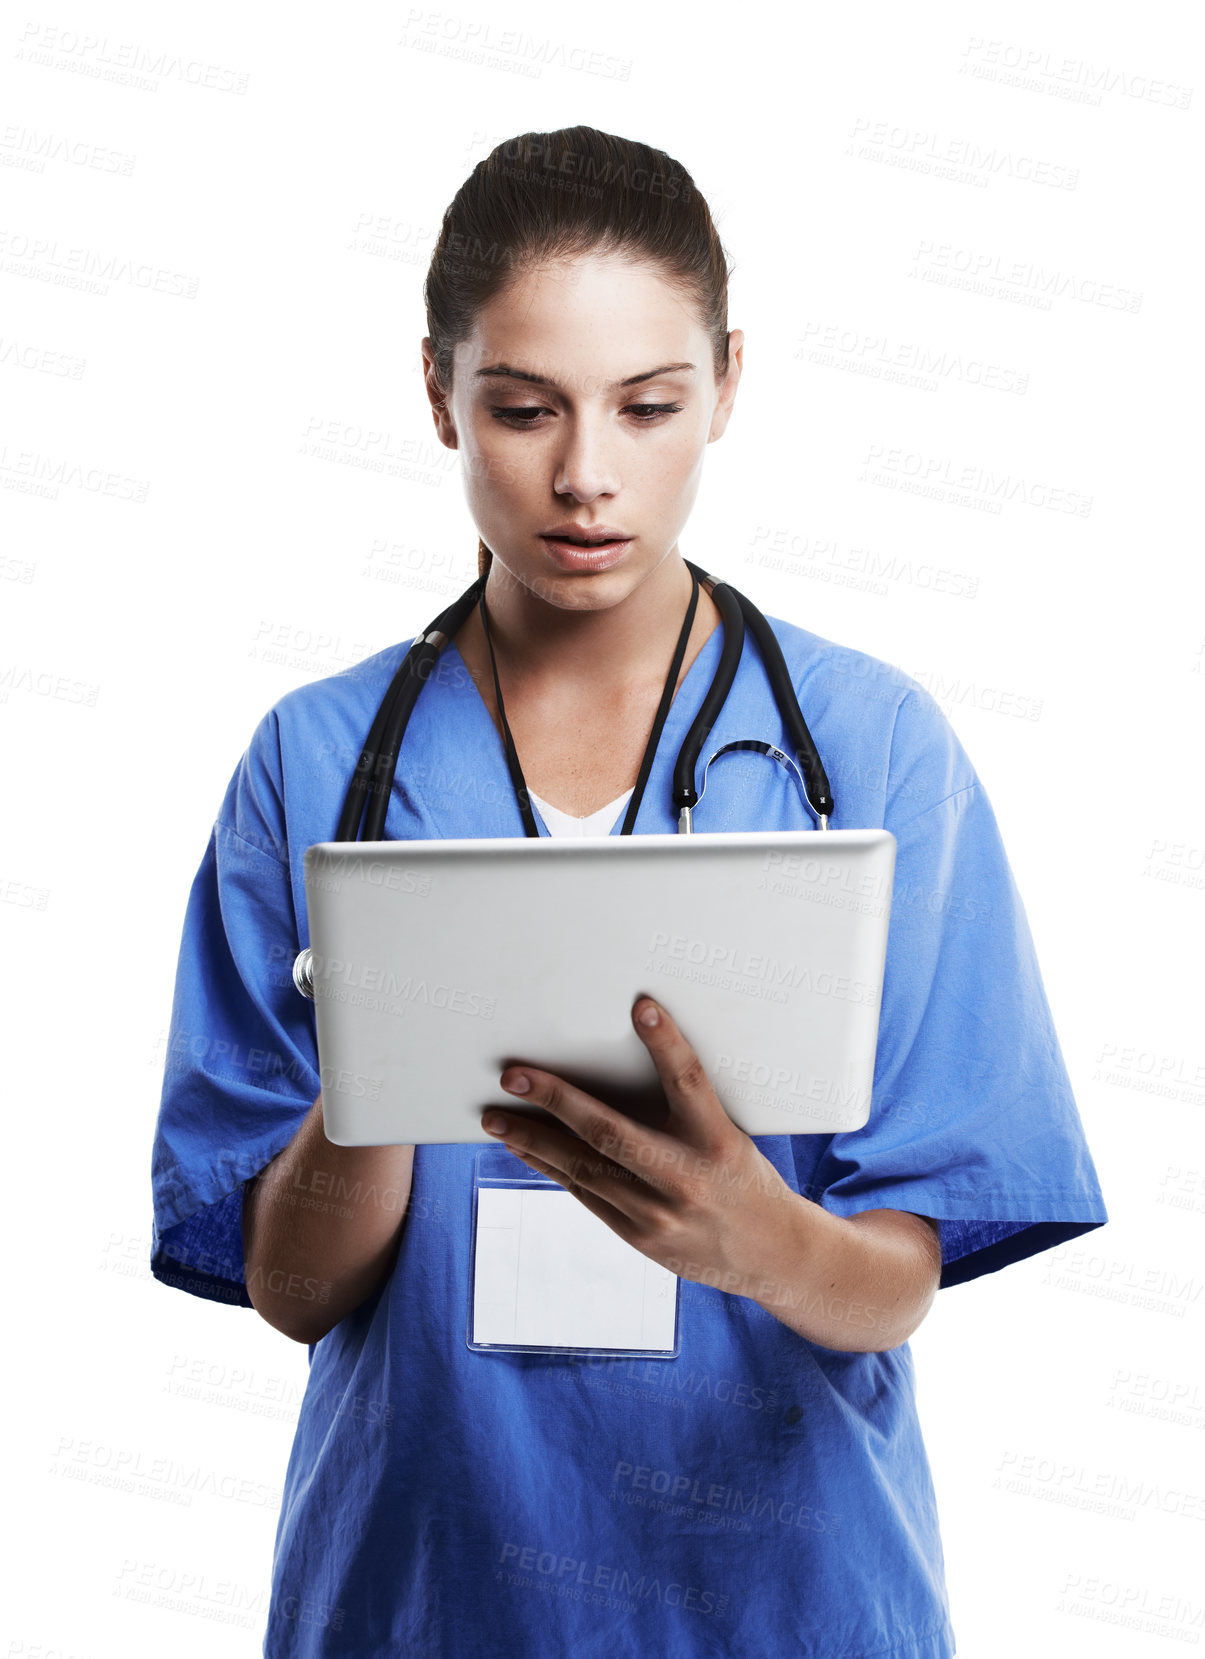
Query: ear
x=728 y=386
x=445 y=426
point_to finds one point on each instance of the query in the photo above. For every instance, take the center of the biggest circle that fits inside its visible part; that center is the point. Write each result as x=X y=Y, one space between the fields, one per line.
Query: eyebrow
x=509 y=372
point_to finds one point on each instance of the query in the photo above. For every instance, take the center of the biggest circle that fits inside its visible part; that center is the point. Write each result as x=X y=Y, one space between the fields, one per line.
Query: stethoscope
x=368 y=793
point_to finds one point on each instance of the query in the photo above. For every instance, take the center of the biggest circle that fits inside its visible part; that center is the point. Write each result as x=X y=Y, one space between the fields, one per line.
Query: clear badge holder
x=547 y=1276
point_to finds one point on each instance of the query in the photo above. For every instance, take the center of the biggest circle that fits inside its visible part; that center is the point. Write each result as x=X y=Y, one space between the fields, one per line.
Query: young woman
x=767 y=1491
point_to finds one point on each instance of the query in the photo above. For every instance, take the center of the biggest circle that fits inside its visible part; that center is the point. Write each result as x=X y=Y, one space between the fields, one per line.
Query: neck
x=594 y=648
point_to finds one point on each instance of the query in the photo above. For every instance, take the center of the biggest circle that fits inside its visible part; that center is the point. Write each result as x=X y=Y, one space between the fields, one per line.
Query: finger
x=548 y=1148
x=606 y=1153
x=589 y=1196
x=697 y=1113
x=543 y=1167
x=531 y=1139
x=619 y=1221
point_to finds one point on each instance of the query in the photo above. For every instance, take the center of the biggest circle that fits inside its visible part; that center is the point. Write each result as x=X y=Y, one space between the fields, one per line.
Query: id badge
x=547 y=1276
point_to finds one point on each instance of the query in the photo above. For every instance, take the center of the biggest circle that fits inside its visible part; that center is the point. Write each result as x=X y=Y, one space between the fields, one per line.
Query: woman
x=767 y=1491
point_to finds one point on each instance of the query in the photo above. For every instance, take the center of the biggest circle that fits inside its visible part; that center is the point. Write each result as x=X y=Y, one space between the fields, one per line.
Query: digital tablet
x=436 y=964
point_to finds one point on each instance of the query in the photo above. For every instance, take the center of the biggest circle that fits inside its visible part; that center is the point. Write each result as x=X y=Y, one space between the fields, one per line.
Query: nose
x=586 y=465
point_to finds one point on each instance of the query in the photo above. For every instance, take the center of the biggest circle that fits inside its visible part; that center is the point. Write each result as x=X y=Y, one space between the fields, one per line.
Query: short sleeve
x=241 y=1068
x=972 y=1121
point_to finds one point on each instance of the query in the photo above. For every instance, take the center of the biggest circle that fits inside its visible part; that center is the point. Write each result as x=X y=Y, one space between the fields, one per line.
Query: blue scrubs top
x=758 y=1495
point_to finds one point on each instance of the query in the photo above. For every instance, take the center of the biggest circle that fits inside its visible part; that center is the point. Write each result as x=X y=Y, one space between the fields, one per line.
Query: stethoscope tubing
x=372 y=780
x=371 y=785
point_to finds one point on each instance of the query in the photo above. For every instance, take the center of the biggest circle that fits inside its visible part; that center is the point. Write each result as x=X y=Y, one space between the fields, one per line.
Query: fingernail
x=648 y=1015
x=519 y=1085
x=493 y=1123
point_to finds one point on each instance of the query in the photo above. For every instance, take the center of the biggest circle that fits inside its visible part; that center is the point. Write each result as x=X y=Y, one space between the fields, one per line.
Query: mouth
x=581 y=541
x=580 y=552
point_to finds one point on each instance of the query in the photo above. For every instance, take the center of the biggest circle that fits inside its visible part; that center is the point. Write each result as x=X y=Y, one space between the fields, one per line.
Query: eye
x=517 y=417
x=645 y=413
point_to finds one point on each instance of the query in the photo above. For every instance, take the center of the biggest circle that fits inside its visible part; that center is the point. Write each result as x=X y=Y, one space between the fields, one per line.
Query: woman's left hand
x=696 y=1196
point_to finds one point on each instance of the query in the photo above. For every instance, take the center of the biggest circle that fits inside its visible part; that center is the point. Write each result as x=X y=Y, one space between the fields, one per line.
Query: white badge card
x=547 y=1276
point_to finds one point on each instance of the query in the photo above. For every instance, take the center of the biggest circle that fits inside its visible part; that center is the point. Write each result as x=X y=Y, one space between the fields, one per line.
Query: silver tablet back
x=438 y=963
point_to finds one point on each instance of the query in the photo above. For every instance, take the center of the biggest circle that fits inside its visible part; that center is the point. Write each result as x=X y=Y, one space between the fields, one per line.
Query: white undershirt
x=598 y=823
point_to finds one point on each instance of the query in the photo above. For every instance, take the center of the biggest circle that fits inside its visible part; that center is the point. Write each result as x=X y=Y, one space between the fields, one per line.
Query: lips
x=578 y=541
x=593 y=548
x=585 y=535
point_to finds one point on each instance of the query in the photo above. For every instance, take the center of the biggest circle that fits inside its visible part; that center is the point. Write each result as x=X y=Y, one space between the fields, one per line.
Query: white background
x=216 y=229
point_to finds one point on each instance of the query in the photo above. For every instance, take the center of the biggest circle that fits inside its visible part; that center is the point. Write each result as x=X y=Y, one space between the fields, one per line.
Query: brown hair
x=556 y=195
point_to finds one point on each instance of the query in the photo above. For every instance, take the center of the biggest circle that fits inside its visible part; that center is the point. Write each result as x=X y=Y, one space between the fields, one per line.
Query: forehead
x=600 y=318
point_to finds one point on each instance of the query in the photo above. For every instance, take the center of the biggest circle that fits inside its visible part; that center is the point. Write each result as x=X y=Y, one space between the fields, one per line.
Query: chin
x=578 y=589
